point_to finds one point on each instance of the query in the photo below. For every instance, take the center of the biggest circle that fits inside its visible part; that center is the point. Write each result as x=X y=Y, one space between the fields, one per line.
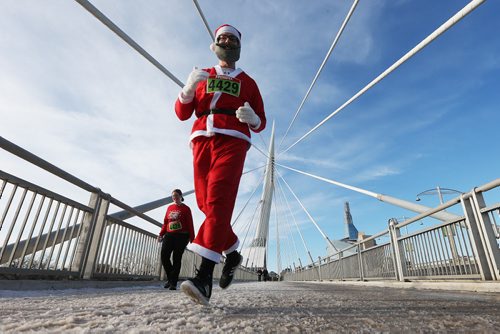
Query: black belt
x=230 y=112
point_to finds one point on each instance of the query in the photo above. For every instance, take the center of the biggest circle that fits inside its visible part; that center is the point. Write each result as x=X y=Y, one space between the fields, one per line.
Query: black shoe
x=199 y=289
x=233 y=261
x=167 y=285
x=172 y=286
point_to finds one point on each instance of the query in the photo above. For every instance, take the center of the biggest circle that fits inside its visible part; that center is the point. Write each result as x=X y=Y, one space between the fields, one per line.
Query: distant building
x=351 y=236
x=367 y=244
x=351 y=232
x=339 y=245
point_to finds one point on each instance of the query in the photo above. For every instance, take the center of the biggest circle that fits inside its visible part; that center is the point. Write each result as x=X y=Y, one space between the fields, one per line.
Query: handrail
x=489 y=185
x=41 y=190
x=137 y=213
x=37 y=161
x=30 y=157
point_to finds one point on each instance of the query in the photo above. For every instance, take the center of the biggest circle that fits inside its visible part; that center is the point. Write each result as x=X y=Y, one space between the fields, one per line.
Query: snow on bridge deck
x=249 y=307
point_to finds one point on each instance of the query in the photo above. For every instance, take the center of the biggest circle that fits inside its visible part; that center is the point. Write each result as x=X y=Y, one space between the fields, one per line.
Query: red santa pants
x=218 y=163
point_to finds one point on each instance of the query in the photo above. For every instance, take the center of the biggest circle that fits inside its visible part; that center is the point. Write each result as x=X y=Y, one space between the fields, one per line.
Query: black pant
x=176 y=243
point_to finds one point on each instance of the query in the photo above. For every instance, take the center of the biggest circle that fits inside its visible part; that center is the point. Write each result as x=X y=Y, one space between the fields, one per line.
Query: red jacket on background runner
x=178 y=219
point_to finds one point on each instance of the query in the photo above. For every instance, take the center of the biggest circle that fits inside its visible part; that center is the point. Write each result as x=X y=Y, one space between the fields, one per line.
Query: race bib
x=224 y=84
x=175 y=225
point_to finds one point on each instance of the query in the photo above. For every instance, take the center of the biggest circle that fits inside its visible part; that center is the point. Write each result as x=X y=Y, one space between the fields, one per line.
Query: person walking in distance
x=259 y=274
x=227 y=105
x=176 y=232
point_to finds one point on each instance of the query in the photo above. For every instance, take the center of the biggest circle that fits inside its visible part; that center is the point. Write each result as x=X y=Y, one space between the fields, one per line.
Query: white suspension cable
x=250 y=223
x=297 y=226
x=264 y=142
x=308 y=215
x=254 y=249
x=293 y=218
x=339 y=33
x=204 y=20
x=444 y=27
x=253 y=169
x=258 y=149
x=286 y=231
x=113 y=27
x=366 y=192
x=288 y=221
x=442 y=215
x=246 y=228
x=249 y=198
x=278 y=251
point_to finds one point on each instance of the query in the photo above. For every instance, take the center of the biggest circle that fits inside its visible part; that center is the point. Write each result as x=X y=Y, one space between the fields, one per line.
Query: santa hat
x=227 y=29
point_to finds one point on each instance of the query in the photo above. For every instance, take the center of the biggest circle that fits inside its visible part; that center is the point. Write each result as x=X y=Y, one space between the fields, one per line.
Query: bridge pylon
x=255 y=256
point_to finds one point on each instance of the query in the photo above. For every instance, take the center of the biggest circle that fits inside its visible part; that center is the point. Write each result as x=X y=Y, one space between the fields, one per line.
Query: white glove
x=192 y=81
x=246 y=114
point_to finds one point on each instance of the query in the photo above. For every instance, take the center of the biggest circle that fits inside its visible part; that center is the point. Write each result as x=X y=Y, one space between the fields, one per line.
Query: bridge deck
x=251 y=307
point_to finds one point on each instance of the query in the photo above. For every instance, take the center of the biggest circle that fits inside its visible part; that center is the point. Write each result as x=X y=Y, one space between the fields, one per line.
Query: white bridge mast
x=256 y=253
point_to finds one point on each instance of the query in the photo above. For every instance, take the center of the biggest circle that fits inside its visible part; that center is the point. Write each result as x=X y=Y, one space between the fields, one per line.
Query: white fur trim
x=214 y=100
x=233 y=74
x=232 y=248
x=227 y=29
x=232 y=133
x=205 y=252
x=210 y=123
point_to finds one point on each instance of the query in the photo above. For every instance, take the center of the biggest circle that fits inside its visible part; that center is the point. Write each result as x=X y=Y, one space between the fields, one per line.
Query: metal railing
x=39 y=229
x=466 y=248
x=46 y=235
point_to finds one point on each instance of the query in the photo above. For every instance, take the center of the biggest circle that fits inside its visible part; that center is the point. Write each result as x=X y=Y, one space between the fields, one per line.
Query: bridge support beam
x=90 y=239
x=396 y=251
x=482 y=235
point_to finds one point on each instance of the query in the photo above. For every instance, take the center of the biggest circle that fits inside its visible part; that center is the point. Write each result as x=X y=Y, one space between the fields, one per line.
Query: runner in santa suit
x=228 y=105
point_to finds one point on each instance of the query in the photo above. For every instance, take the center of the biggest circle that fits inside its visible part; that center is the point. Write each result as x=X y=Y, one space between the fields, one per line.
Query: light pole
x=449 y=232
x=439 y=191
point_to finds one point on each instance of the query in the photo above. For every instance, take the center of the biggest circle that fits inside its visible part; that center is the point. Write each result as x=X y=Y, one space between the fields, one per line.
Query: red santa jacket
x=178 y=219
x=222 y=92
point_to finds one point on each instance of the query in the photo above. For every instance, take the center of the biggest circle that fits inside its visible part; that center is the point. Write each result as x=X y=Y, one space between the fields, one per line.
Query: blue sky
x=75 y=94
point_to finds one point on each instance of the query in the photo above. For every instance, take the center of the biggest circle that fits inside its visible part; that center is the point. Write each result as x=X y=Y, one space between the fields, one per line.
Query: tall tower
x=351 y=232
x=256 y=253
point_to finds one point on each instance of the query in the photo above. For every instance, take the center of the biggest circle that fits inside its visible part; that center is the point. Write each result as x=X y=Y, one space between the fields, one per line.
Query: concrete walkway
x=252 y=307
x=471 y=286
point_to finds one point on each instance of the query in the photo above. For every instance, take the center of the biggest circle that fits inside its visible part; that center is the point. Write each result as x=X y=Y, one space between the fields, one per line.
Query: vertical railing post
x=319 y=268
x=478 y=239
x=488 y=236
x=360 y=262
x=92 y=227
x=341 y=264
x=83 y=241
x=396 y=254
x=193 y=267
x=161 y=271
